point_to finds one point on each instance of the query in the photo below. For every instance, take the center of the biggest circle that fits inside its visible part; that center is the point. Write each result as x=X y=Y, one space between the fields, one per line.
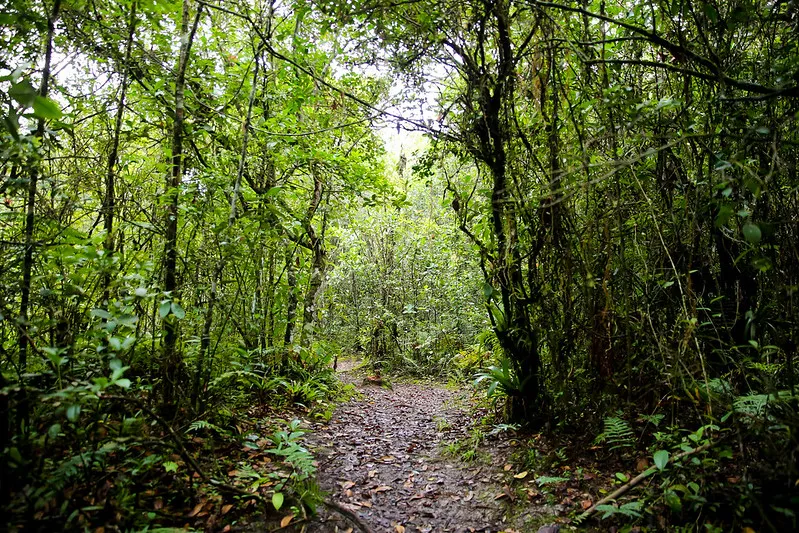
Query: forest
x=399 y=265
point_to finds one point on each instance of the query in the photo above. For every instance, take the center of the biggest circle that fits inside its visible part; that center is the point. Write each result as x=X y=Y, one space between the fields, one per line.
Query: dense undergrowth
x=96 y=454
x=587 y=211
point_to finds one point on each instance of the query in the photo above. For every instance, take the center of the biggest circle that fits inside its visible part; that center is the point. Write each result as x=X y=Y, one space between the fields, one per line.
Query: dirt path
x=380 y=457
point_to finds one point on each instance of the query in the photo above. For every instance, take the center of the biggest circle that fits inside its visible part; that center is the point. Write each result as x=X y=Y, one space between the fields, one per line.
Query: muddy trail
x=381 y=458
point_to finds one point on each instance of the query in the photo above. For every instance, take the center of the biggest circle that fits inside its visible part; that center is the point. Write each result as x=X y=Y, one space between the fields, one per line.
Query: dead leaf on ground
x=372 y=473
x=399 y=528
x=388 y=458
x=286 y=520
x=642 y=464
x=469 y=496
x=521 y=475
x=226 y=508
x=196 y=510
x=382 y=488
x=507 y=467
x=586 y=504
x=346 y=484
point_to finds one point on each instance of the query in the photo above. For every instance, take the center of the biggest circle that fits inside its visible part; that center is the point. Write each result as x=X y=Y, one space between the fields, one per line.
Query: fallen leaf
x=365 y=504
x=196 y=510
x=226 y=529
x=507 y=467
x=347 y=484
x=399 y=528
x=586 y=504
x=388 y=458
x=642 y=464
x=747 y=530
x=372 y=473
x=500 y=496
x=286 y=520
x=226 y=508
x=382 y=488
x=469 y=496
x=521 y=475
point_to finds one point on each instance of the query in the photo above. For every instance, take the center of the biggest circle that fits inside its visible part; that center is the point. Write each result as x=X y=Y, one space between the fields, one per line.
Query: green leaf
x=711 y=13
x=23 y=92
x=170 y=466
x=178 y=311
x=73 y=412
x=661 y=458
x=164 y=308
x=100 y=313
x=46 y=108
x=752 y=233
x=124 y=383
x=488 y=291
x=277 y=500
x=13 y=452
x=141 y=292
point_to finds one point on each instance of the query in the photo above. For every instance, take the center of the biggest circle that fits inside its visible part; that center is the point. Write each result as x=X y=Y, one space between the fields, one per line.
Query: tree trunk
x=109 y=203
x=291 y=296
x=30 y=206
x=318 y=265
x=205 y=341
x=171 y=357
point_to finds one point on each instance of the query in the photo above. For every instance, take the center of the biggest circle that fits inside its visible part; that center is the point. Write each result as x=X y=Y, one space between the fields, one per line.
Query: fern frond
x=618 y=433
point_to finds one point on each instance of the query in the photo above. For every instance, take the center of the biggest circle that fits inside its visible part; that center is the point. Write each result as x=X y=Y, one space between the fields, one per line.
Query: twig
x=638 y=479
x=349 y=515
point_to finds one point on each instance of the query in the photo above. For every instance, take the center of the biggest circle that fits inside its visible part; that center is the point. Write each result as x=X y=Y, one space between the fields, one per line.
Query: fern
x=198 y=425
x=489 y=341
x=617 y=433
x=550 y=480
x=756 y=405
x=630 y=510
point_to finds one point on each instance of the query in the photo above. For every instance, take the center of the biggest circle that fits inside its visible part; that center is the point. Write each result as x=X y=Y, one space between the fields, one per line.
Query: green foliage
x=617 y=433
x=300 y=462
x=629 y=510
x=501 y=378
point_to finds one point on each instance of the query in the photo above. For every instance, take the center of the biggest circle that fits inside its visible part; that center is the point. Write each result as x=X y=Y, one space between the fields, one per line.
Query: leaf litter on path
x=380 y=457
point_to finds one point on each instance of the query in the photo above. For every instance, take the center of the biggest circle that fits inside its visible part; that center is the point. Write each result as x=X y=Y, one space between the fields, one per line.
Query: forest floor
x=382 y=456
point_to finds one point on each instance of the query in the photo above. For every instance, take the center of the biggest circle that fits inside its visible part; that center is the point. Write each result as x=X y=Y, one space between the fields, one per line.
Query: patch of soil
x=380 y=457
